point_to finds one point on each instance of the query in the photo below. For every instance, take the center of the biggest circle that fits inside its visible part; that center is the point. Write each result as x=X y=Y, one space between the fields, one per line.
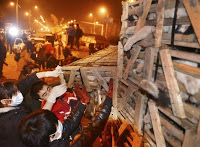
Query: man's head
x=39 y=128
x=40 y=91
x=9 y=94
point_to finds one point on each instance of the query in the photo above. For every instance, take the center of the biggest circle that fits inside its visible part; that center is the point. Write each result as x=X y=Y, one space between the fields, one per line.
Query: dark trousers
x=77 y=42
x=1 y=68
x=71 y=40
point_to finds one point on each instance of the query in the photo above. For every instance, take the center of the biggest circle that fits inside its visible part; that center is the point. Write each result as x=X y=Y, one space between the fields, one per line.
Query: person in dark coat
x=13 y=109
x=71 y=32
x=2 y=56
x=79 y=34
x=42 y=128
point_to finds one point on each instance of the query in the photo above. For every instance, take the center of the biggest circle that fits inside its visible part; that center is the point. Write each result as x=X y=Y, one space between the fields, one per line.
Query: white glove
x=55 y=73
x=56 y=92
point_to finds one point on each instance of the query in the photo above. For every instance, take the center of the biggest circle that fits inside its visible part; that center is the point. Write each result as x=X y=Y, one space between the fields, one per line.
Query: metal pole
x=94 y=25
x=17 y=15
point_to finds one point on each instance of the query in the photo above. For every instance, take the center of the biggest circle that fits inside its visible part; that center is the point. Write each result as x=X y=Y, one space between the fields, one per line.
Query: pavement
x=10 y=71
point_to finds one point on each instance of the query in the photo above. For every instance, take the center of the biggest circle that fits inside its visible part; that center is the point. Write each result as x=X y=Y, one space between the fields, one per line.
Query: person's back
x=9 y=122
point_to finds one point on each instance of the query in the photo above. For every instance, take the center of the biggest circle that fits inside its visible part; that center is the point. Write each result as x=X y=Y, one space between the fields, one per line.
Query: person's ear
x=3 y=101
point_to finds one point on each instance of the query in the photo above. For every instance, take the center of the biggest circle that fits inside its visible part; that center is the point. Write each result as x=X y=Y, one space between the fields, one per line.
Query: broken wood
x=174 y=92
x=155 y=118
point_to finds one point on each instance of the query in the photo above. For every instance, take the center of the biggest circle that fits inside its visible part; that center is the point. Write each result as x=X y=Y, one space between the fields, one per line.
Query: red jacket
x=64 y=105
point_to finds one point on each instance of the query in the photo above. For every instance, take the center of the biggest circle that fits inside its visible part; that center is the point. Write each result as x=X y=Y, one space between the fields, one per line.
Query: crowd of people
x=55 y=119
x=47 y=55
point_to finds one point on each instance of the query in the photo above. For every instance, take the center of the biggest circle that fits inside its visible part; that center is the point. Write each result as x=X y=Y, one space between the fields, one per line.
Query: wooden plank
x=193 y=9
x=122 y=129
x=125 y=98
x=120 y=65
x=160 y=21
x=173 y=130
x=124 y=15
x=100 y=79
x=131 y=61
x=186 y=69
x=137 y=140
x=142 y=19
x=179 y=37
x=160 y=141
x=85 y=79
x=184 y=44
x=185 y=55
x=139 y=112
x=198 y=128
x=71 y=79
x=148 y=63
x=172 y=85
x=115 y=92
x=191 y=139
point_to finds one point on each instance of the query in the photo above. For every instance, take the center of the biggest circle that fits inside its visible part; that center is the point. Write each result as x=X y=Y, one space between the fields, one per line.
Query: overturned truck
x=156 y=96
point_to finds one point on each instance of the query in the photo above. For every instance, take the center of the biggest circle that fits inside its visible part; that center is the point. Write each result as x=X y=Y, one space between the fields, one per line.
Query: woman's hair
x=27 y=69
x=36 y=127
x=8 y=89
x=35 y=88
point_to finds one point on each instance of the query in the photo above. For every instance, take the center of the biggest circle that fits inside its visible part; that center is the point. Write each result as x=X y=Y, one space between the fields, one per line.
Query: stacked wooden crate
x=140 y=92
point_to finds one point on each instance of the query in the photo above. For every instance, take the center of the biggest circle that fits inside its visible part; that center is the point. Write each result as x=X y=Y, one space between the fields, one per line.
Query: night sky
x=67 y=9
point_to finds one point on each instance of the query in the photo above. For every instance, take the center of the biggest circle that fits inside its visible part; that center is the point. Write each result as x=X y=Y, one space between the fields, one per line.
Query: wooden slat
x=160 y=21
x=173 y=130
x=100 y=79
x=85 y=79
x=185 y=55
x=139 y=112
x=125 y=98
x=148 y=63
x=71 y=79
x=174 y=92
x=124 y=15
x=142 y=19
x=115 y=91
x=131 y=61
x=193 y=10
x=191 y=139
x=160 y=141
x=122 y=129
x=184 y=44
x=120 y=65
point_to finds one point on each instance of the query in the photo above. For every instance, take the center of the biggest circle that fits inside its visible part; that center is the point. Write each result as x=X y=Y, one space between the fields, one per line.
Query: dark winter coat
x=79 y=33
x=2 y=51
x=88 y=135
x=12 y=116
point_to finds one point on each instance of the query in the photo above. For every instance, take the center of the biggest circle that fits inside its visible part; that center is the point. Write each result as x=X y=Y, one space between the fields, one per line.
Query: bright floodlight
x=103 y=10
x=26 y=13
x=91 y=14
x=13 y=31
x=36 y=7
x=97 y=22
x=12 y=4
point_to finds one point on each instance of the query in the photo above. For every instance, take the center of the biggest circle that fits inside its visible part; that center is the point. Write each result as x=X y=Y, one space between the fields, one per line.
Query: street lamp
x=91 y=15
x=36 y=7
x=104 y=11
x=17 y=6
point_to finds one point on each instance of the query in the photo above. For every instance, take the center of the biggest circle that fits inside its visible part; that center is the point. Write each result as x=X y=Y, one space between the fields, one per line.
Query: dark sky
x=67 y=9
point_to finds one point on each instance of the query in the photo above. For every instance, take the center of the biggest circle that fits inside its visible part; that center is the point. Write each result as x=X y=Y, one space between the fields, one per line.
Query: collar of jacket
x=6 y=109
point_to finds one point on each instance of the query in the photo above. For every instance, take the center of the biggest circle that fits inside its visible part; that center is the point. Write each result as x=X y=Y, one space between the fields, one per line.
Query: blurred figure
x=2 y=55
x=49 y=48
x=59 y=47
x=51 y=61
x=24 y=59
x=41 y=56
x=71 y=32
x=79 y=34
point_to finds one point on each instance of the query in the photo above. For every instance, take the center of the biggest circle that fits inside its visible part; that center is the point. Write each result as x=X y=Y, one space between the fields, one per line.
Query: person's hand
x=110 y=92
x=82 y=93
x=56 y=92
x=54 y=73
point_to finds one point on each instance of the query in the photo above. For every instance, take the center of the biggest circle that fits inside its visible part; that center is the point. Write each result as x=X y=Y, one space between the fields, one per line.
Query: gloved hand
x=54 y=73
x=82 y=93
x=56 y=92
x=110 y=92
